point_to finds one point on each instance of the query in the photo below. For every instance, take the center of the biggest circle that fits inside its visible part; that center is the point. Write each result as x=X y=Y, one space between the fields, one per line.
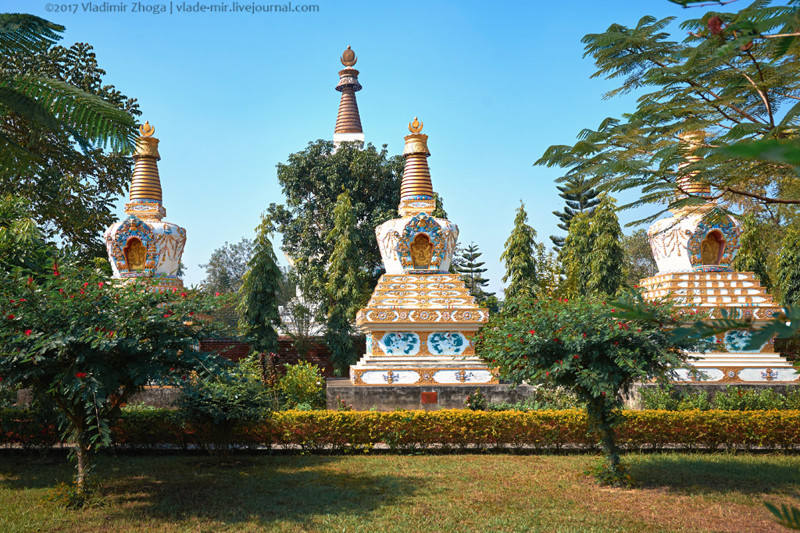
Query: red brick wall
x=318 y=354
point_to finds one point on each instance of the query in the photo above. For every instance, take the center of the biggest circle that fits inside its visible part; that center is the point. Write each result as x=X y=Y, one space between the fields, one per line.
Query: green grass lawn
x=376 y=493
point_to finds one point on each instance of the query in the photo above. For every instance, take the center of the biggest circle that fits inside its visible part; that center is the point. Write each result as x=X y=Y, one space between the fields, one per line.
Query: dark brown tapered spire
x=348 y=121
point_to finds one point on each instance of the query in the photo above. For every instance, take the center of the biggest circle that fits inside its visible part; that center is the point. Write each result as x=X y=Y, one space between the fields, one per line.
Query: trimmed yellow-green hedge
x=448 y=429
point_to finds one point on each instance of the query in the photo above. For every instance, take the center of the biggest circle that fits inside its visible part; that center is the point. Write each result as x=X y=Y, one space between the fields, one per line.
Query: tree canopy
x=227 y=266
x=312 y=181
x=57 y=115
x=732 y=77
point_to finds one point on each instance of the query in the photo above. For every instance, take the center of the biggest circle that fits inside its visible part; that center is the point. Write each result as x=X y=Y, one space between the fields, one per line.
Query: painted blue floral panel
x=399 y=343
x=447 y=343
x=737 y=340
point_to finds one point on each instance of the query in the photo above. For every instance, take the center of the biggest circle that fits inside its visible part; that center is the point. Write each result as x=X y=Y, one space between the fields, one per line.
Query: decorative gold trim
x=357 y=378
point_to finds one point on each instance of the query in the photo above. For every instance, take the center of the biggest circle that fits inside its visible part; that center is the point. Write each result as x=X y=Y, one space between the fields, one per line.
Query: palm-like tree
x=50 y=103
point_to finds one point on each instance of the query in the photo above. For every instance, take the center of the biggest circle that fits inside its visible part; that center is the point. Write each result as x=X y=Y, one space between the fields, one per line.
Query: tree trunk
x=82 y=454
x=601 y=418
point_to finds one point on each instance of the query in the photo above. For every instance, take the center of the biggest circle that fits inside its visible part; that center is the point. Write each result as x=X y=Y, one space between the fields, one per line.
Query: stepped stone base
x=735 y=368
x=420 y=370
x=427 y=397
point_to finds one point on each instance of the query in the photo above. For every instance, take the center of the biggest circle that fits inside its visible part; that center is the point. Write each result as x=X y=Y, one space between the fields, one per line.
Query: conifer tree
x=789 y=267
x=574 y=256
x=472 y=272
x=752 y=256
x=607 y=258
x=521 y=271
x=260 y=294
x=344 y=290
x=580 y=198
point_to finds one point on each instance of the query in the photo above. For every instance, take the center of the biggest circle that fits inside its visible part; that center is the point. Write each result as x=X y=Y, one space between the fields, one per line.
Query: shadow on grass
x=261 y=489
x=707 y=474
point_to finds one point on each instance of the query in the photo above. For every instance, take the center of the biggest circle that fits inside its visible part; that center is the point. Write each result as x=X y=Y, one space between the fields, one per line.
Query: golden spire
x=348 y=121
x=691 y=141
x=416 y=191
x=145 y=194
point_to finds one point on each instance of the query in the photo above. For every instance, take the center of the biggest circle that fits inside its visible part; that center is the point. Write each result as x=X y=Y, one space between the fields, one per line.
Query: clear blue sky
x=231 y=95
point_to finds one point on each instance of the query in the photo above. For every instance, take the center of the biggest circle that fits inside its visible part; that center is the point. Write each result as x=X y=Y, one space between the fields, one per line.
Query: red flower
x=11 y=317
x=80 y=375
x=584 y=335
x=216 y=294
x=86 y=284
x=183 y=295
x=55 y=269
x=12 y=301
x=715 y=25
x=28 y=332
x=616 y=343
x=191 y=313
x=575 y=356
x=174 y=290
x=547 y=373
x=82 y=292
x=509 y=335
x=532 y=332
x=166 y=315
x=22 y=300
x=61 y=291
x=100 y=285
x=30 y=280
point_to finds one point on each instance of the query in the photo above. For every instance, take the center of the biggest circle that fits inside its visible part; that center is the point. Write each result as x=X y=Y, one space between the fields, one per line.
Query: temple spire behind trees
x=348 y=121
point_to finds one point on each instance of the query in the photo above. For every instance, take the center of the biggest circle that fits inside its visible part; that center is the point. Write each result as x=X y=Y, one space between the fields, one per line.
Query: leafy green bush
x=303 y=386
x=695 y=401
x=731 y=399
x=741 y=399
x=216 y=405
x=658 y=398
x=476 y=401
x=543 y=398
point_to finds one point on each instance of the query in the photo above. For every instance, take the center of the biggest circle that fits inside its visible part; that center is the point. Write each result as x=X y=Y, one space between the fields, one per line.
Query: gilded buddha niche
x=712 y=248
x=421 y=251
x=135 y=254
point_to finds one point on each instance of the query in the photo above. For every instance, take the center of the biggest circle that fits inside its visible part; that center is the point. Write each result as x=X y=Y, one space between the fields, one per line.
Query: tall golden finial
x=146 y=183
x=416 y=191
x=146 y=129
x=348 y=58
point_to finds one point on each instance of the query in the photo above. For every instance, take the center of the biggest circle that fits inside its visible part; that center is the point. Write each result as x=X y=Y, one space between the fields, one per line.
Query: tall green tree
x=227 y=266
x=789 y=268
x=345 y=288
x=607 y=258
x=733 y=77
x=57 y=116
x=259 y=295
x=752 y=255
x=574 y=257
x=312 y=181
x=521 y=270
x=639 y=262
x=471 y=271
x=579 y=198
